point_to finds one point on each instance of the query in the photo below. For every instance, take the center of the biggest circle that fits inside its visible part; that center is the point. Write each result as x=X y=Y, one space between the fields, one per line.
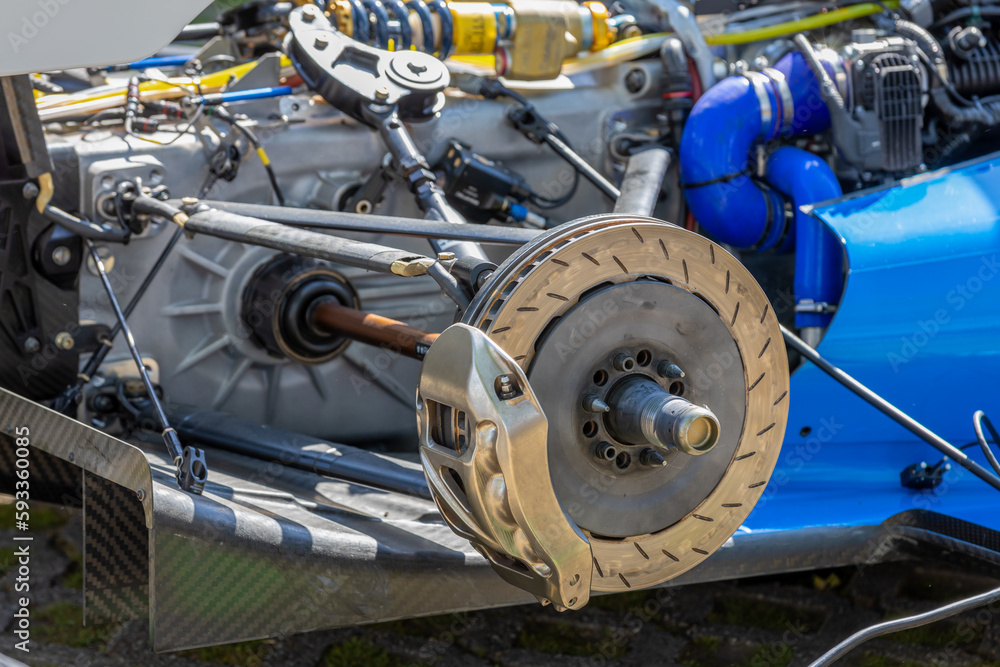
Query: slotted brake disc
x=609 y=411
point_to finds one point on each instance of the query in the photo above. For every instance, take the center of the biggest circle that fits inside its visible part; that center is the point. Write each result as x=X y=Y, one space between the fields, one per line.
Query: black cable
x=545 y=203
x=964 y=13
x=223 y=114
x=858 y=638
x=493 y=89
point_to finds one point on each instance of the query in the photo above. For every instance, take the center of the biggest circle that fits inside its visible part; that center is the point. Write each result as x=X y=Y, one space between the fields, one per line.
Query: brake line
x=858 y=638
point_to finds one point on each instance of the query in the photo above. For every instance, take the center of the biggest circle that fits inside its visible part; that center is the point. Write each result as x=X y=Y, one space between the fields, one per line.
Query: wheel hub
x=652 y=323
x=662 y=375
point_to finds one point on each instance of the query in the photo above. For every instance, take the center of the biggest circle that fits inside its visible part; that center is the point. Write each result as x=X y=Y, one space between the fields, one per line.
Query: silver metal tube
x=643 y=181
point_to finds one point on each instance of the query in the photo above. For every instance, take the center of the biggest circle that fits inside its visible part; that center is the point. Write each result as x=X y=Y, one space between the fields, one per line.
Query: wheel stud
x=592 y=403
x=651 y=458
x=669 y=370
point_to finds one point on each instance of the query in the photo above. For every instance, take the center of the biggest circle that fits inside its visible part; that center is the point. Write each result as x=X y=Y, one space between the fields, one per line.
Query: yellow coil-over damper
x=530 y=39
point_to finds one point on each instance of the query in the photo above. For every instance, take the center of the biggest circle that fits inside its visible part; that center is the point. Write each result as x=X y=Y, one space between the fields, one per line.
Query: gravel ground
x=766 y=622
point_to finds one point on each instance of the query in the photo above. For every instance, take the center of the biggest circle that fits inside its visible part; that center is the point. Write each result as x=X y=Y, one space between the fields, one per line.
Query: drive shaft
x=331 y=317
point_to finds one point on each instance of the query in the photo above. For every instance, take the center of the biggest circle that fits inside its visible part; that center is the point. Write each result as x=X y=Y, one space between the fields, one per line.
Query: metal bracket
x=366 y=83
x=192 y=470
x=483 y=447
x=810 y=306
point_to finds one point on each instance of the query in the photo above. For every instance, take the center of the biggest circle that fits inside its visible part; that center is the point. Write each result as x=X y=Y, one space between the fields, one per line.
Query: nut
x=64 y=341
x=61 y=255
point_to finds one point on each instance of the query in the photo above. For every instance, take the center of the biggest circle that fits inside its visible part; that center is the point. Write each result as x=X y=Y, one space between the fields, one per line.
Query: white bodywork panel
x=43 y=35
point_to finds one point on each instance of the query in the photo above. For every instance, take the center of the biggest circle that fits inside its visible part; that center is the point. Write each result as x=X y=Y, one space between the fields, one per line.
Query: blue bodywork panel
x=919 y=323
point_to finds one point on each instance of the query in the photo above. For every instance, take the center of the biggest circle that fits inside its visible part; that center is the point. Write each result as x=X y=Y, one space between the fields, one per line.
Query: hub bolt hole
x=624 y=362
x=623 y=460
x=605 y=451
x=676 y=388
x=590 y=429
x=601 y=378
x=644 y=358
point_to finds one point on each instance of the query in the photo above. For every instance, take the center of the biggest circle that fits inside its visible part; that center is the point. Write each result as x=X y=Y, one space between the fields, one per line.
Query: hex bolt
x=61 y=255
x=382 y=93
x=594 y=404
x=140 y=494
x=103 y=403
x=310 y=13
x=669 y=370
x=635 y=80
x=30 y=190
x=623 y=362
x=31 y=345
x=605 y=451
x=64 y=341
x=506 y=389
x=446 y=256
x=322 y=41
x=651 y=458
x=190 y=201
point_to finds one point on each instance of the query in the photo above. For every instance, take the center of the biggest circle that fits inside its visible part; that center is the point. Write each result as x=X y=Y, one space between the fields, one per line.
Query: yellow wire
x=801 y=25
x=152 y=89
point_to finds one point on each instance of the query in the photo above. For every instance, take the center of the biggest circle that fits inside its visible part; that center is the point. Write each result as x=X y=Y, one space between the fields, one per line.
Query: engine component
x=603 y=316
x=888 y=86
x=819 y=272
x=278 y=304
x=725 y=124
x=740 y=210
x=530 y=40
x=977 y=68
x=483 y=190
x=642 y=184
x=677 y=86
